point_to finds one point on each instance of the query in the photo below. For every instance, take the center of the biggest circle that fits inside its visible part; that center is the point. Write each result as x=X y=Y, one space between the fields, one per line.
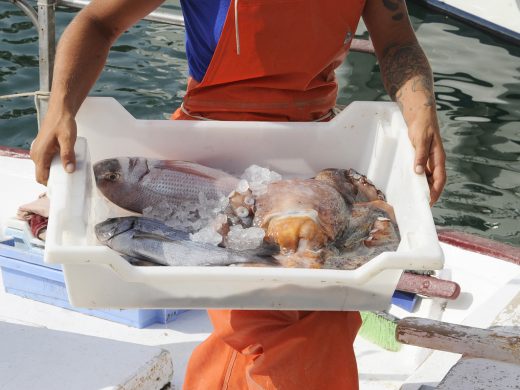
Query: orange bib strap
x=275 y=61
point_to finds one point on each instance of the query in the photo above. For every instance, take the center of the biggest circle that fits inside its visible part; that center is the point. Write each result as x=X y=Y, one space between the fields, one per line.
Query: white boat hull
x=500 y=17
x=490 y=295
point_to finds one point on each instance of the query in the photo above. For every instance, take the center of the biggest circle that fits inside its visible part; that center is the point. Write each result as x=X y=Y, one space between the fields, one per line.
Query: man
x=259 y=60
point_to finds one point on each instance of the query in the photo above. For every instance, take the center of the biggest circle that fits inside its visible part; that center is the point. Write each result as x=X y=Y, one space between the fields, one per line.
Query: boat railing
x=44 y=20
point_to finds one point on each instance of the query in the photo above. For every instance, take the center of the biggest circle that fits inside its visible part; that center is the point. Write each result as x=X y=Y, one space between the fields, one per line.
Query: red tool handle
x=428 y=286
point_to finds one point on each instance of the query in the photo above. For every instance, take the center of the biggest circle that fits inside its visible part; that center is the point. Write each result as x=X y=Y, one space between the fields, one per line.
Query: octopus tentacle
x=364 y=186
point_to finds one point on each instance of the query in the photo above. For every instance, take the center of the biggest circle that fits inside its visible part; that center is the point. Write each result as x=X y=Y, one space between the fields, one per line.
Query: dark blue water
x=477 y=82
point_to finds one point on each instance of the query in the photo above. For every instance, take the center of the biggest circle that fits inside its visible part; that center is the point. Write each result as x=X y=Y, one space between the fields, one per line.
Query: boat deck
x=490 y=296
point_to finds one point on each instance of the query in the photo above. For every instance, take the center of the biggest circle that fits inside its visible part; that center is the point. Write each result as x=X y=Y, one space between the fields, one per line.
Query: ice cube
x=239 y=238
x=207 y=235
x=258 y=178
x=221 y=205
x=274 y=176
x=161 y=211
x=242 y=186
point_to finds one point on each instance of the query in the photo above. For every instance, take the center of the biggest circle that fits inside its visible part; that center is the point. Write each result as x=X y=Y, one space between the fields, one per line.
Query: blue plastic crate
x=25 y=274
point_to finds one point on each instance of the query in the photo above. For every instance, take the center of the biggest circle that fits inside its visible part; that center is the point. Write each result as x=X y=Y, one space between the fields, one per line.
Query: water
x=477 y=82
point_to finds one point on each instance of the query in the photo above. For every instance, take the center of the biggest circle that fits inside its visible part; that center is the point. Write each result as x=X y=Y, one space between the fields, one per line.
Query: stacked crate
x=25 y=274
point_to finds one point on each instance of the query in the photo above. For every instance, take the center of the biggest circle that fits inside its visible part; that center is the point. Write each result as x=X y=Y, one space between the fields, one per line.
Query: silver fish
x=135 y=183
x=150 y=240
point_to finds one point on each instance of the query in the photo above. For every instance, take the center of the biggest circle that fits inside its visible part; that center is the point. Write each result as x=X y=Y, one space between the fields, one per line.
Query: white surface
x=489 y=290
x=369 y=137
x=18 y=186
x=482 y=374
x=36 y=357
x=483 y=279
x=378 y=369
x=505 y=13
x=489 y=297
x=178 y=337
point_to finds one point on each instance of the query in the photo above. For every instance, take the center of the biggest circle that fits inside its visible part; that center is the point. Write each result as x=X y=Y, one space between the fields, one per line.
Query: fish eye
x=112 y=176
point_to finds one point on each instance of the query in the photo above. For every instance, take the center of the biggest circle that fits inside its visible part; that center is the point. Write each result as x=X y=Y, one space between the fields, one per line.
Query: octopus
x=337 y=219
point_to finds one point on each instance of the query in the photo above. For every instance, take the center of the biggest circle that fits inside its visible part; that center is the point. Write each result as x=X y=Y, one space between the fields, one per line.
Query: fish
x=150 y=240
x=136 y=183
x=337 y=219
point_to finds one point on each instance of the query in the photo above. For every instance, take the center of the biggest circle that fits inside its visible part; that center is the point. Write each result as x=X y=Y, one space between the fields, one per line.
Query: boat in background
x=499 y=17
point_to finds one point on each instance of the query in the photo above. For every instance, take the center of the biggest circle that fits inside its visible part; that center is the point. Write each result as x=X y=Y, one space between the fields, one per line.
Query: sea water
x=477 y=84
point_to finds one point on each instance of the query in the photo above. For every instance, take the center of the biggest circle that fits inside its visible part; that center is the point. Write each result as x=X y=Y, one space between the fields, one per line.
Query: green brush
x=379 y=328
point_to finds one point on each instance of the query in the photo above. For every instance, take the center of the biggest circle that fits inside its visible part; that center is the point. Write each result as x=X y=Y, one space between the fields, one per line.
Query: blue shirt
x=204 y=20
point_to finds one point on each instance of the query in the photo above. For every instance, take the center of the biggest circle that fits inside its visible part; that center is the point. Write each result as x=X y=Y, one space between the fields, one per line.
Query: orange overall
x=275 y=61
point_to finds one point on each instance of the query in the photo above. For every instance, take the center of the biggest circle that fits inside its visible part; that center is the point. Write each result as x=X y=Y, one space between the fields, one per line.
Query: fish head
x=118 y=179
x=113 y=227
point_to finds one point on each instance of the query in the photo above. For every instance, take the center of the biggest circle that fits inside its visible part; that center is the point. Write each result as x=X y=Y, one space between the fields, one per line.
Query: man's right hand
x=80 y=57
x=57 y=135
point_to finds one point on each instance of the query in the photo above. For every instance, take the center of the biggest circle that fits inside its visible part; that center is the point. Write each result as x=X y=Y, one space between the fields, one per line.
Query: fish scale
x=135 y=183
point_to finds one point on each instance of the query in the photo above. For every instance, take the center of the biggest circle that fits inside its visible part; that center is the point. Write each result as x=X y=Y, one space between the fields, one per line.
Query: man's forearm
x=80 y=58
x=408 y=79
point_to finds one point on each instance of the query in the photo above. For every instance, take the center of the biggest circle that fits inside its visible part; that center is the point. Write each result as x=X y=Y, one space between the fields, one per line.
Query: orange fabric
x=282 y=68
x=282 y=350
x=283 y=72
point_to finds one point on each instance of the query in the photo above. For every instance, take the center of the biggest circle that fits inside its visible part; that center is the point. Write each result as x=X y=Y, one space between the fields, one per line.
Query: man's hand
x=408 y=80
x=57 y=135
x=429 y=156
x=81 y=55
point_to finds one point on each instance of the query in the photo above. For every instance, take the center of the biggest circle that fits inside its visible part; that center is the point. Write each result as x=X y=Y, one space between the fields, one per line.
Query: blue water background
x=477 y=83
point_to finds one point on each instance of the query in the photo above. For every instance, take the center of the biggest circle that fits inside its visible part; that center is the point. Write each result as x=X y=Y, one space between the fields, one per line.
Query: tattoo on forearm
x=394 y=6
x=401 y=63
x=424 y=84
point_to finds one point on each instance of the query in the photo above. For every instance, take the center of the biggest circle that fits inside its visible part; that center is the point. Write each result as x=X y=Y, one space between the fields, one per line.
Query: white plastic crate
x=370 y=137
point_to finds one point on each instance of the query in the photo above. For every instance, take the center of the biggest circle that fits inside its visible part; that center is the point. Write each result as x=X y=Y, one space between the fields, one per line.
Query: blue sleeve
x=204 y=20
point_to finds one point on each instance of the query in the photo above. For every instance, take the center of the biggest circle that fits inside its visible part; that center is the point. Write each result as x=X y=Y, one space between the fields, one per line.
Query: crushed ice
x=239 y=238
x=258 y=178
x=207 y=219
x=190 y=216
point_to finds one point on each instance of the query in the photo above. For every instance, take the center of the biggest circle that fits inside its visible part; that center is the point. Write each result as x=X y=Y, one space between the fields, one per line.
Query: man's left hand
x=430 y=157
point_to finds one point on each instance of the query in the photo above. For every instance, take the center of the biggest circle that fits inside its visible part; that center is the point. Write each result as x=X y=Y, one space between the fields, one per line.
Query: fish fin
x=264 y=254
x=189 y=168
x=144 y=224
x=260 y=260
x=137 y=261
x=145 y=235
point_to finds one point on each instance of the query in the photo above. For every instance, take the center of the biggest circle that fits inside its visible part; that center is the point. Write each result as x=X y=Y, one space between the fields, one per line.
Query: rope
x=24 y=94
x=38 y=95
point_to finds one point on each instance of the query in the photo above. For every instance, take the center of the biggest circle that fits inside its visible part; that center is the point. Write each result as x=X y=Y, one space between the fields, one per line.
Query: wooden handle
x=428 y=286
x=474 y=342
